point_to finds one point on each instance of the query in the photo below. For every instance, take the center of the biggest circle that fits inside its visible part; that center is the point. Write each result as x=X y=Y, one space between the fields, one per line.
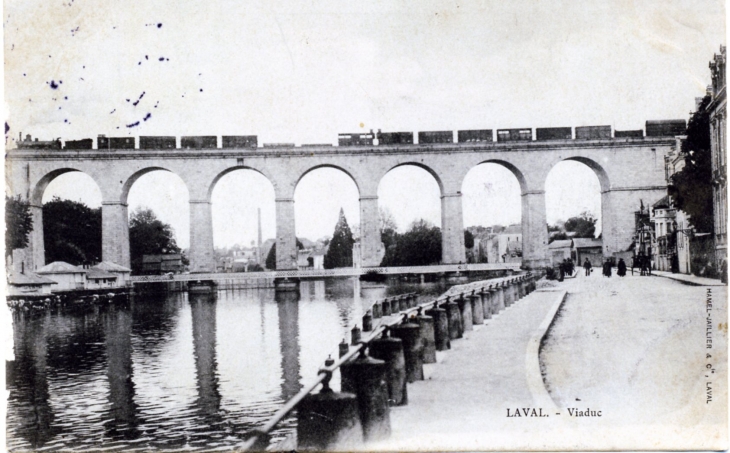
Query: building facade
x=718 y=143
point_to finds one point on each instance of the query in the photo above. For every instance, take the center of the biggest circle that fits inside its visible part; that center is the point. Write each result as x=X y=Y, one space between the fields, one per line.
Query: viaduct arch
x=629 y=170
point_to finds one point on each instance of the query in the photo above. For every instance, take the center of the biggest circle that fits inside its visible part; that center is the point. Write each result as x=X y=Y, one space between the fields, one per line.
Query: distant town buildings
x=162 y=264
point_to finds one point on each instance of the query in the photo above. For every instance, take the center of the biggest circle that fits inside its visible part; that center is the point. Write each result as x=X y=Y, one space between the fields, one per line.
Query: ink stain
x=112 y=111
x=135 y=124
x=65 y=121
x=7 y=128
x=147 y=116
x=23 y=74
x=159 y=25
x=138 y=99
x=146 y=57
x=53 y=84
x=65 y=98
x=162 y=58
x=201 y=90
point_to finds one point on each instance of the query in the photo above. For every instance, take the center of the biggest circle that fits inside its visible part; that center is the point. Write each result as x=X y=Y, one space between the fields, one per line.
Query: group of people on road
x=620 y=268
x=643 y=262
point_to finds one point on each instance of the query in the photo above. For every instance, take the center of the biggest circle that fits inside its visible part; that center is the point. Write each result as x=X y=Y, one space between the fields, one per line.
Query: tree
x=419 y=246
x=149 y=235
x=339 y=253
x=386 y=220
x=271 y=257
x=468 y=239
x=584 y=226
x=691 y=188
x=18 y=223
x=71 y=232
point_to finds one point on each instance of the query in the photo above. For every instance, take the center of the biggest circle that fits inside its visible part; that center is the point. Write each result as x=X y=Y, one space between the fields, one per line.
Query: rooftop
x=60 y=267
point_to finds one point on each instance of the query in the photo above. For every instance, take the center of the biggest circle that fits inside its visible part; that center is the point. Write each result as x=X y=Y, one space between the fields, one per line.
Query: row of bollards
x=375 y=377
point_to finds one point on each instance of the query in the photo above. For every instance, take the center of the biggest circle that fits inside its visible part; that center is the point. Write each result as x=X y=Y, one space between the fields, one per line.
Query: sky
x=303 y=71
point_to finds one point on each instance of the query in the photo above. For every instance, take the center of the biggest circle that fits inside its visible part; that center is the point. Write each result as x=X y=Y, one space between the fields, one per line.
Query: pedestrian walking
x=607 y=269
x=587 y=266
x=621 y=268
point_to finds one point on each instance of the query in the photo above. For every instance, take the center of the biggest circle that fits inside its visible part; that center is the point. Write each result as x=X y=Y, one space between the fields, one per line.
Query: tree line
x=72 y=232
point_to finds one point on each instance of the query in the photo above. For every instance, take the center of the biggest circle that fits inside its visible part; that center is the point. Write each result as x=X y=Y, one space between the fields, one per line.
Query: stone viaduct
x=629 y=169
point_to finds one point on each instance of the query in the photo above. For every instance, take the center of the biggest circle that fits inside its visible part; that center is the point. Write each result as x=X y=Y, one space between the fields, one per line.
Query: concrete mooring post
x=366 y=377
x=440 y=328
x=507 y=291
x=367 y=322
x=403 y=300
x=454 y=317
x=428 y=337
x=477 y=309
x=486 y=301
x=385 y=307
x=355 y=335
x=466 y=316
x=500 y=297
x=328 y=421
x=412 y=349
x=390 y=350
x=344 y=348
x=377 y=313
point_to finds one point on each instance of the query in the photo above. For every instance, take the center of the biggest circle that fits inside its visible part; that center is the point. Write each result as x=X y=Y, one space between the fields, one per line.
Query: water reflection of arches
x=203 y=311
x=123 y=420
x=288 y=309
x=27 y=381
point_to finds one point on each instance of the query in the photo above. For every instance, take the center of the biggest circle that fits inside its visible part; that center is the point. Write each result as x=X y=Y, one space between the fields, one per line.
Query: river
x=176 y=371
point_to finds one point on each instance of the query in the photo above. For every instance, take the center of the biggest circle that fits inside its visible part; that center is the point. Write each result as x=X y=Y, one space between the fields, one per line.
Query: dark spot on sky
x=112 y=111
x=167 y=59
x=201 y=90
x=59 y=108
x=81 y=78
x=138 y=99
x=65 y=98
x=139 y=63
x=146 y=57
x=162 y=58
x=135 y=124
x=23 y=74
x=83 y=67
x=127 y=100
x=147 y=116
x=65 y=121
x=117 y=127
x=53 y=84
x=60 y=81
x=159 y=25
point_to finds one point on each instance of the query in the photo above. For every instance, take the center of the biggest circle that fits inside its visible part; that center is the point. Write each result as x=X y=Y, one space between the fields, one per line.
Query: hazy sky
x=303 y=71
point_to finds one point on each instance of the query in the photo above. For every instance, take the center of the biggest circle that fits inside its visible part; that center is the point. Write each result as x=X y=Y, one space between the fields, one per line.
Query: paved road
x=633 y=348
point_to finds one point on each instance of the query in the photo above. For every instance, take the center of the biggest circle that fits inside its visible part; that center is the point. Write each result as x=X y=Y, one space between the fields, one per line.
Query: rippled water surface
x=175 y=371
